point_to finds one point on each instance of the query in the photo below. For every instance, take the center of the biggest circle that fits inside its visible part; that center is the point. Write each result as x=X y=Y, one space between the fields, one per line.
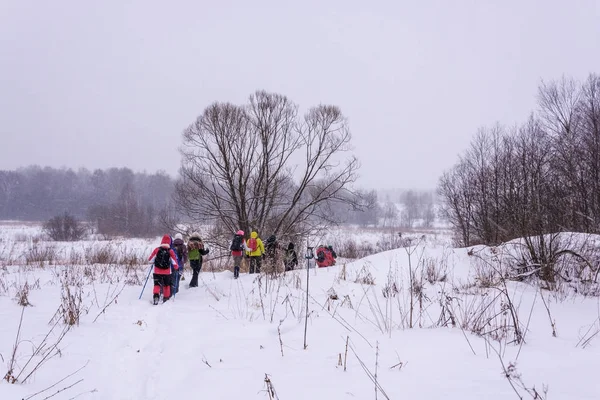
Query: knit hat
x=166 y=240
x=240 y=232
x=178 y=236
x=196 y=235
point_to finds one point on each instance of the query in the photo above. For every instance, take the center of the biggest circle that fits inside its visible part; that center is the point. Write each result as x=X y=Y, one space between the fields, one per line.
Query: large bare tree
x=261 y=166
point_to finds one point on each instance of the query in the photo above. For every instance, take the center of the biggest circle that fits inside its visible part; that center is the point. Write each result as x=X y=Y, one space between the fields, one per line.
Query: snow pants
x=196 y=266
x=255 y=264
x=237 y=263
x=162 y=281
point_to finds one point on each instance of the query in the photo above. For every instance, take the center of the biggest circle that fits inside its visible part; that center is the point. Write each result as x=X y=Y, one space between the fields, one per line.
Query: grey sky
x=114 y=83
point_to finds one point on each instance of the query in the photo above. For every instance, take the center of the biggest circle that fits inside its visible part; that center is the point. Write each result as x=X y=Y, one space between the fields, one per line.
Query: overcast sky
x=106 y=83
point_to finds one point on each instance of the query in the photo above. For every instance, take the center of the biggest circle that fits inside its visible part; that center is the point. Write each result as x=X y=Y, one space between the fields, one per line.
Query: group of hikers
x=172 y=255
x=169 y=260
x=256 y=251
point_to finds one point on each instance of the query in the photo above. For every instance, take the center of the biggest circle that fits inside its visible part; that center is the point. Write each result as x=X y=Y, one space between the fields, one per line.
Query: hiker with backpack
x=333 y=254
x=182 y=256
x=325 y=256
x=196 y=249
x=256 y=251
x=163 y=258
x=272 y=254
x=237 y=247
x=291 y=258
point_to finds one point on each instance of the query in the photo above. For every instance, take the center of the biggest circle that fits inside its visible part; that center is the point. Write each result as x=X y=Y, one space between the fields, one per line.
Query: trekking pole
x=148 y=277
x=309 y=255
x=175 y=284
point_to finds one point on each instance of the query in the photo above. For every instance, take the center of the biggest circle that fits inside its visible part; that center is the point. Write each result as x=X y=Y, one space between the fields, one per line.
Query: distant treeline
x=117 y=199
x=391 y=208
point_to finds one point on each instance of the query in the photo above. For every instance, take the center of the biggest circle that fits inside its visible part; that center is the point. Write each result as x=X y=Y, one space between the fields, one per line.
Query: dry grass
x=71 y=307
x=31 y=238
x=435 y=270
x=41 y=353
x=40 y=254
x=22 y=296
x=106 y=254
x=364 y=276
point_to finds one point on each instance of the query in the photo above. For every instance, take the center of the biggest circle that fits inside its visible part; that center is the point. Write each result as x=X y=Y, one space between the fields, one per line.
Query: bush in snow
x=64 y=227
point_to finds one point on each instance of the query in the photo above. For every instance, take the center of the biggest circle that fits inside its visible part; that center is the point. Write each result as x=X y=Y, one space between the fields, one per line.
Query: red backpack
x=253 y=244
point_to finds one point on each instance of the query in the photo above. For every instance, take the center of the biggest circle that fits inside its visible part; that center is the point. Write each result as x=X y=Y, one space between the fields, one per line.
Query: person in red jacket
x=325 y=256
x=163 y=258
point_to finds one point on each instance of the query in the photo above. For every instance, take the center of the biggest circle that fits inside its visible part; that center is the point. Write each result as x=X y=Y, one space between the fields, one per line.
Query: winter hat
x=291 y=246
x=166 y=239
x=178 y=236
x=196 y=235
x=271 y=239
x=240 y=232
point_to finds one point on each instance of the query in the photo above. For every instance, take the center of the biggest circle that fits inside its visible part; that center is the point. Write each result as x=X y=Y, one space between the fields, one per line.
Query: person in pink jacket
x=163 y=258
x=237 y=247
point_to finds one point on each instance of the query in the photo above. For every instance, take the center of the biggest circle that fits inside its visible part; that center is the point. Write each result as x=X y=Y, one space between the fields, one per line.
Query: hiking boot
x=156 y=297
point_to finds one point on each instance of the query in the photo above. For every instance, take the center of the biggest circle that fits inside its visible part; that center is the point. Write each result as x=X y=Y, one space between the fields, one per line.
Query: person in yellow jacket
x=256 y=251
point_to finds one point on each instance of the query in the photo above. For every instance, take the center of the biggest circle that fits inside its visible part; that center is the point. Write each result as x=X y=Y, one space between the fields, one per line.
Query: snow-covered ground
x=447 y=338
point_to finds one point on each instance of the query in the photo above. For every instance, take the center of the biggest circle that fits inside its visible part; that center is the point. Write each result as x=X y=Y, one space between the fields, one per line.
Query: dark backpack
x=163 y=259
x=236 y=243
x=271 y=249
x=320 y=255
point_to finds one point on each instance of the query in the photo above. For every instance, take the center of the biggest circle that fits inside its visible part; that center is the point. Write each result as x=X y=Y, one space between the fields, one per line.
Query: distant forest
x=117 y=199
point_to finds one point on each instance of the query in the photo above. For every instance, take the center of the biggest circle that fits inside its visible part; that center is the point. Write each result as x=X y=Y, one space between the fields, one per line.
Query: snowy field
x=425 y=321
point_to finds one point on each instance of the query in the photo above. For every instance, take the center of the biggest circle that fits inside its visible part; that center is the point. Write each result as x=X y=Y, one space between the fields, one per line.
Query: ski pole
x=148 y=277
x=175 y=283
